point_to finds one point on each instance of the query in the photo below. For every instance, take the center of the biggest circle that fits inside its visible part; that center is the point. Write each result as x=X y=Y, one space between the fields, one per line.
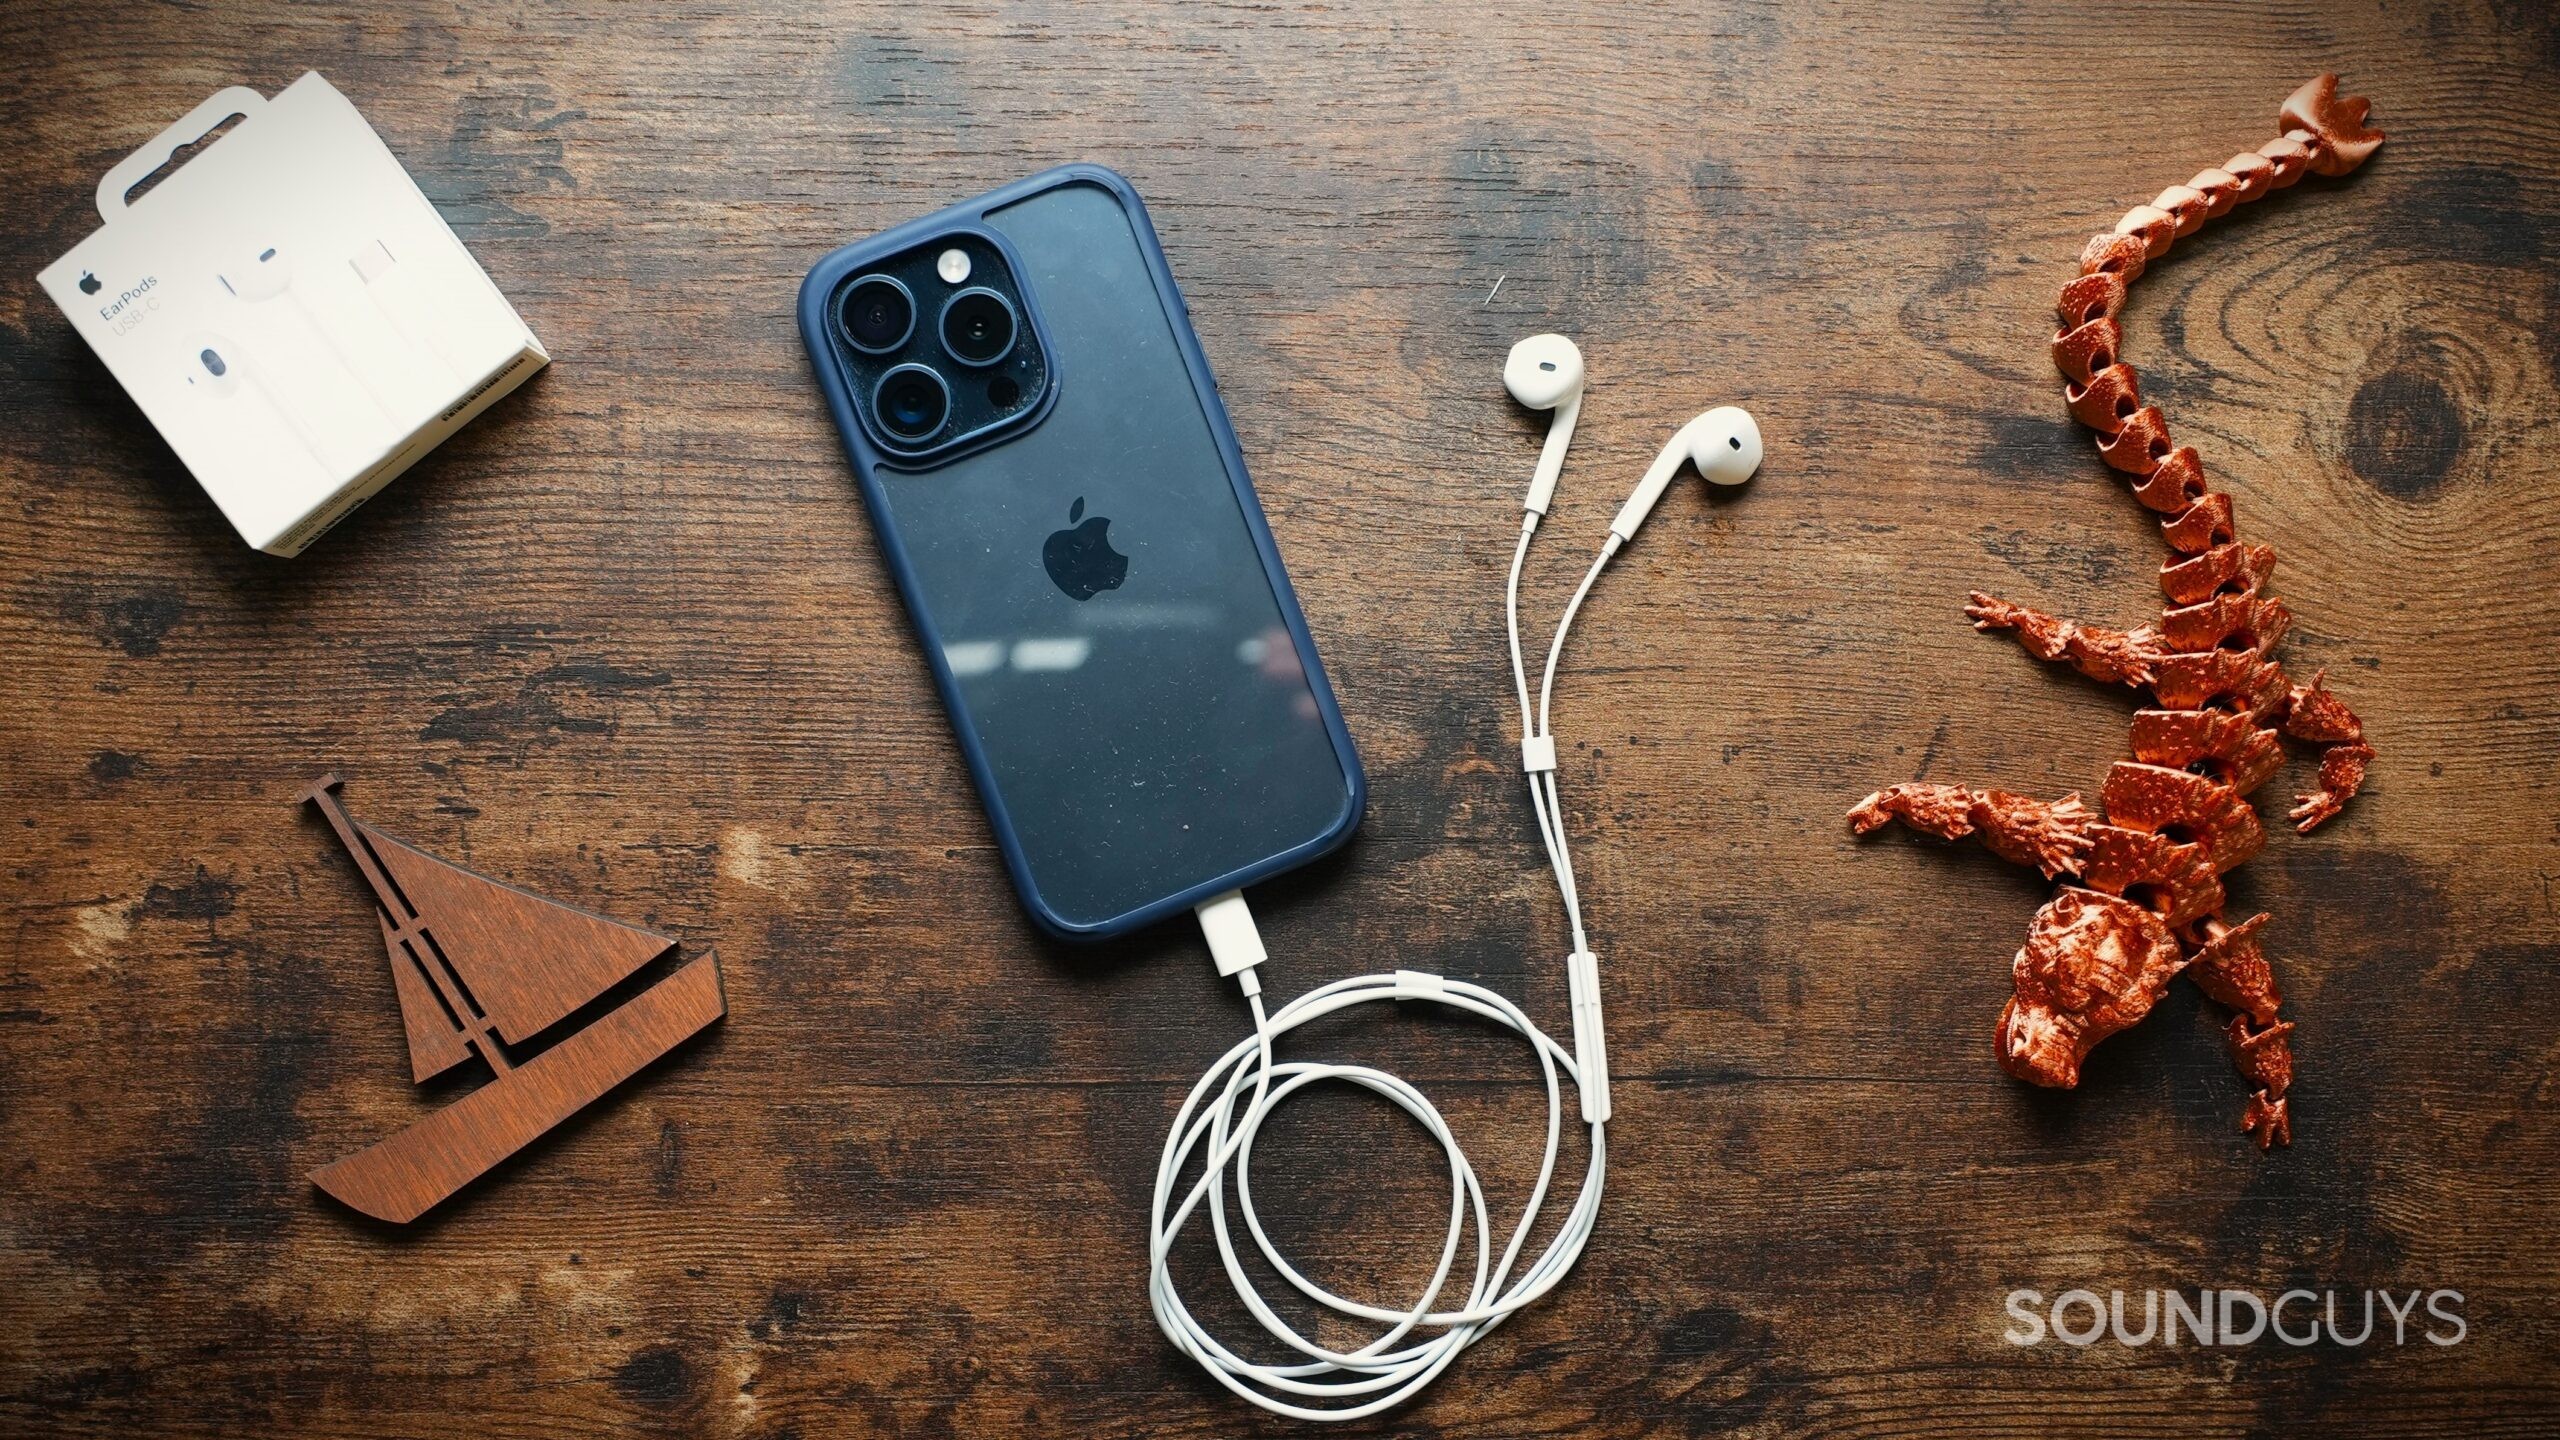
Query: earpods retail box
x=289 y=310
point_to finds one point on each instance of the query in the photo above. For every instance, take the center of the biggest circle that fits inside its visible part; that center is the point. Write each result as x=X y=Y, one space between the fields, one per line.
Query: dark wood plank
x=901 y=1190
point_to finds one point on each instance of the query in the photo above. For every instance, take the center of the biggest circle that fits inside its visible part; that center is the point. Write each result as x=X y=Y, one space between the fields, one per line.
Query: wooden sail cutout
x=478 y=967
x=435 y=1035
x=482 y=927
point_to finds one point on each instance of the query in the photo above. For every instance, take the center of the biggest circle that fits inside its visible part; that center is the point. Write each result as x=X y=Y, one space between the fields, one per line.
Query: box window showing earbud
x=288 y=310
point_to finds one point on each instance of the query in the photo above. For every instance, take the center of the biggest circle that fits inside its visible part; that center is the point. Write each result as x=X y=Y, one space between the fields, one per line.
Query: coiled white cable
x=1225 y=1111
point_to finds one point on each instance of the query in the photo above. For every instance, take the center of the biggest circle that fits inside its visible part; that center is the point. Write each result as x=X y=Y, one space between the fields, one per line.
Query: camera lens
x=877 y=314
x=977 y=327
x=912 y=402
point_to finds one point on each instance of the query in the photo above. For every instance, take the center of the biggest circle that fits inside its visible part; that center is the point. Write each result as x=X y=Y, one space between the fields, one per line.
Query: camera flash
x=952 y=265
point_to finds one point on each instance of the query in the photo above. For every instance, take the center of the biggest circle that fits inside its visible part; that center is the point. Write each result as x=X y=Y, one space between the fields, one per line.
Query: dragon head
x=2092 y=965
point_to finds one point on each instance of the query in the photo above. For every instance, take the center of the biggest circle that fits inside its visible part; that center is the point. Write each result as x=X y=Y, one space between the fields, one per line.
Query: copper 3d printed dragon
x=2147 y=902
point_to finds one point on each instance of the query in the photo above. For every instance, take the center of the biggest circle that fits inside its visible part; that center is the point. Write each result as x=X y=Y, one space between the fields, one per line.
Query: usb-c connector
x=1234 y=941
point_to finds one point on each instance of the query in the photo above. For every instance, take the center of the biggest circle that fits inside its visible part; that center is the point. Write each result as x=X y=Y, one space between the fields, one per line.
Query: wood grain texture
x=627 y=639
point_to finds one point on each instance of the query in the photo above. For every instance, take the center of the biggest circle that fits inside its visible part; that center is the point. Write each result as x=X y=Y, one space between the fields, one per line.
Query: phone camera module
x=912 y=403
x=877 y=314
x=978 y=327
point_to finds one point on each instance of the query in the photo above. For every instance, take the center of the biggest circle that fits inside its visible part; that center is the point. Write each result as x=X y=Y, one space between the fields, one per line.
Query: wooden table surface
x=627 y=641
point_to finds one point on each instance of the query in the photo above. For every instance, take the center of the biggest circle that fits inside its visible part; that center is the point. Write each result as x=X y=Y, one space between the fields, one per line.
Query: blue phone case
x=955 y=509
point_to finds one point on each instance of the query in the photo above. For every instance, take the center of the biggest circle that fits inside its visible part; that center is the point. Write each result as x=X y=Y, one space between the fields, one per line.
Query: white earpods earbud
x=217 y=367
x=214 y=364
x=262 y=273
x=1724 y=444
x=259 y=273
x=1544 y=372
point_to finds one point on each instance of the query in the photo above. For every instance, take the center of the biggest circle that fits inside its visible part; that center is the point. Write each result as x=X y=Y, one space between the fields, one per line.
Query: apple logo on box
x=1080 y=558
x=89 y=283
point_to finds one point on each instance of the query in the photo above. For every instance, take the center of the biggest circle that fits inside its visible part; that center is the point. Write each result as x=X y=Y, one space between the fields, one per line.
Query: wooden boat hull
x=408 y=1174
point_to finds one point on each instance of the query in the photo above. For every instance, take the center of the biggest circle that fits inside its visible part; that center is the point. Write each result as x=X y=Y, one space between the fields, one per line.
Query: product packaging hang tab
x=288 y=309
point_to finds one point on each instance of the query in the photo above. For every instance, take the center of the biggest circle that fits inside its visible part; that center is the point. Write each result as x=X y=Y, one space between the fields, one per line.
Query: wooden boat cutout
x=482 y=968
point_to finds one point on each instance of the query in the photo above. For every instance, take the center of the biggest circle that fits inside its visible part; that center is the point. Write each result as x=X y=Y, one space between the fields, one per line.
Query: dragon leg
x=2228 y=966
x=2117 y=657
x=2050 y=835
x=2313 y=712
x=2265 y=1058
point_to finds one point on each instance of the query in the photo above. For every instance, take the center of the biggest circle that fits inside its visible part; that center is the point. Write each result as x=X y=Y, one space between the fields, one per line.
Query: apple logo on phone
x=89 y=283
x=1080 y=558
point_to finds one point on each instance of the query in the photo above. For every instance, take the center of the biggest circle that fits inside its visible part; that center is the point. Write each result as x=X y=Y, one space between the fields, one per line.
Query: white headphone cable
x=1250 y=1083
